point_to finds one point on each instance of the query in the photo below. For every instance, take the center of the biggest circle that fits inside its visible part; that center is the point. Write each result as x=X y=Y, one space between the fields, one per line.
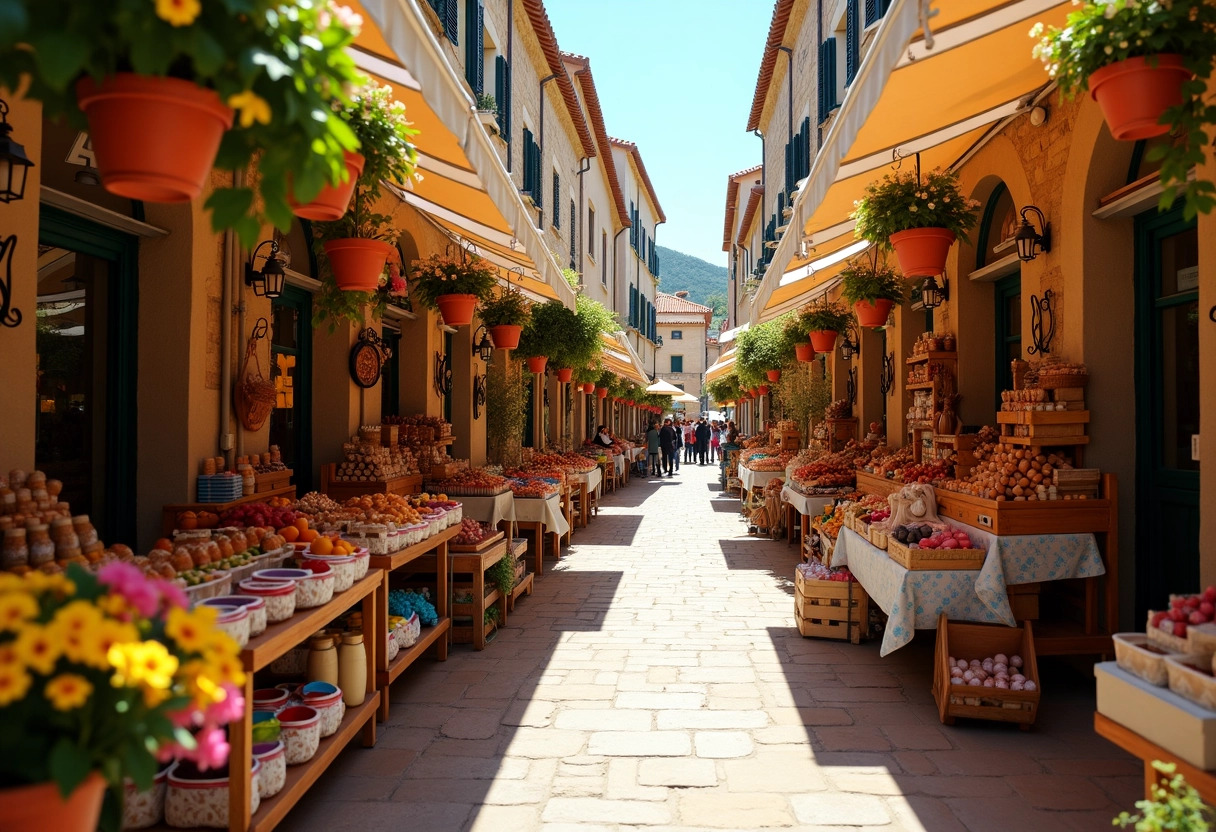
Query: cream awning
x=938 y=93
x=618 y=357
x=724 y=366
x=465 y=190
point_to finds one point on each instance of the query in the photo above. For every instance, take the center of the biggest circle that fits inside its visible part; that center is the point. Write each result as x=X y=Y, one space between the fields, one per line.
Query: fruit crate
x=977 y=641
x=919 y=559
x=831 y=609
x=272 y=480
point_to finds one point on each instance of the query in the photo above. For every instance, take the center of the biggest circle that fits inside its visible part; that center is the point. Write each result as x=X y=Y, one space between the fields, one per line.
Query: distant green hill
x=700 y=278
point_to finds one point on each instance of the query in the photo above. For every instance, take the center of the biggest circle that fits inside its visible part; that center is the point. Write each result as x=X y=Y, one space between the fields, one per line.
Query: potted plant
x=919 y=217
x=102 y=676
x=168 y=89
x=568 y=337
x=1147 y=65
x=487 y=112
x=823 y=321
x=505 y=316
x=1174 y=806
x=872 y=289
x=764 y=348
x=453 y=284
x=333 y=304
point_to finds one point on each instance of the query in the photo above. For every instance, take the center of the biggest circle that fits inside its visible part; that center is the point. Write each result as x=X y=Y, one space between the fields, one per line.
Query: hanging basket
x=536 y=364
x=357 y=262
x=922 y=252
x=804 y=352
x=1133 y=94
x=457 y=310
x=872 y=314
x=823 y=340
x=154 y=139
x=41 y=807
x=331 y=203
x=773 y=375
x=588 y=387
x=564 y=374
x=505 y=336
x=763 y=389
x=601 y=392
x=255 y=395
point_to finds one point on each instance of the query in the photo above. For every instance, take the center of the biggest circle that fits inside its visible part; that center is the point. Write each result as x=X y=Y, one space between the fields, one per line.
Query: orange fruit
x=322 y=546
x=164 y=544
x=302 y=524
x=308 y=535
x=290 y=533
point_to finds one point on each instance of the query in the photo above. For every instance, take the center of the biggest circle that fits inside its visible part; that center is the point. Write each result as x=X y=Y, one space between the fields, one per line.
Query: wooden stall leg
x=240 y=738
x=375 y=609
x=479 y=601
x=443 y=593
x=381 y=664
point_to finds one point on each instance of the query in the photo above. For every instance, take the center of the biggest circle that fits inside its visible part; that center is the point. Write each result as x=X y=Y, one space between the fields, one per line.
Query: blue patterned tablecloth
x=915 y=599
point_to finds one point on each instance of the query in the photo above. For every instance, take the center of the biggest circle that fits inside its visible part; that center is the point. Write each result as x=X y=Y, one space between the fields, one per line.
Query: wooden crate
x=831 y=609
x=876 y=485
x=477 y=547
x=272 y=481
x=934 y=559
x=790 y=440
x=1024 y=601
x=390 y=435
x=1077 y=481
x=978 y=641
x=1025 y=517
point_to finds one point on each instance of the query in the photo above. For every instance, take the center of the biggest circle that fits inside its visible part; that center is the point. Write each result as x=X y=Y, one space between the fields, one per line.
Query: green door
x=1008 y=293
x=1167 y=407
x=291 y=356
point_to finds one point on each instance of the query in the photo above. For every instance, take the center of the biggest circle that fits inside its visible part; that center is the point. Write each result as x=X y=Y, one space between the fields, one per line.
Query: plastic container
x=234 y=621
x=270 y=699
x=200 y=799
x=273 y=775
x=255 y=605
x=143 y=809
x=301 y=733
x=326 y=699
x=280 y=597
x=317 y=589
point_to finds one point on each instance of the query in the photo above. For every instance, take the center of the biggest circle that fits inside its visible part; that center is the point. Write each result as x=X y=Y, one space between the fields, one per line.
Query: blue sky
x=677 y=77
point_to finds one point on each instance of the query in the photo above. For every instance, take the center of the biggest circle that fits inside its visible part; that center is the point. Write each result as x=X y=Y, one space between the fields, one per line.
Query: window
x=502 y=97
x=852 y=40
x=573 y=234
x=827 y=79
x=474 y=45
x=875 y=9
x=677 y=363
x=532 y=169
x=604 y=258
x=557 y=200
x=590 y=232
x=677 y=334
x=448 y=12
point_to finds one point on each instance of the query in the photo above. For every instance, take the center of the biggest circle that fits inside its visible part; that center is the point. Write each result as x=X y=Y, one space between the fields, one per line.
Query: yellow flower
x=145 y=663
x=224 y=668
x=114 y=606
x=178 y=12
x=191 y=630
x=200 y=687
x=14 y=682
x=67 y=691
x=36 y=648
x=8 y=655
x=10 y=582
x=40 y=582
x=251 y=106
x=16 y=607
x=73 y=626
x=108 y=634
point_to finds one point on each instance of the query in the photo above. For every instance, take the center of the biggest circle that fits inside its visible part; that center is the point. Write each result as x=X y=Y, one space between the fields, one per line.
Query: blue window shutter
x=451 y=20
x=852 y=40
x=821 y=76
x=474 y=30
x=502 y=96
x=872 y=13
x=829 y=60
x=573 y=224
x=557 y=200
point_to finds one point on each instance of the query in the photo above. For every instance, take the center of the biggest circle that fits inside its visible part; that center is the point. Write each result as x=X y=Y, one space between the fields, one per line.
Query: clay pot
x=41 y=807
x=773 y=375
x=872 y=314
x=762 y=389
x=824 y=340
x=922 y=252
x=804 y=352
x=505 y=336
x=1133 y=94
x=564 y=374
x=536 y=364
x=357 y=263
x=457 y=310
x=331 y=203
x=601 y=392
x=154 y=139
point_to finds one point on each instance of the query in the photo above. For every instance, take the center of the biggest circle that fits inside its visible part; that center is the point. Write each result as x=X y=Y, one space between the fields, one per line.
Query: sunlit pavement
x=655 y=680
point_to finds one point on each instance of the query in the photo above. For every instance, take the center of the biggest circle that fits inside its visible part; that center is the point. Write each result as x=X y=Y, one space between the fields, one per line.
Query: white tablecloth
x=914 y=599
x=756 y=479
x=593 y=479
x=547 y=510
x=490 y=509
x=619 y=463
x=807 y=503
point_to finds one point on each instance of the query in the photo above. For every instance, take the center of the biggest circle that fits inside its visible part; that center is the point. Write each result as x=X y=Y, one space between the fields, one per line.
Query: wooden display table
x=344 y=490
x=258 y=654
x=524 y=584
x=475 y=561
x=434 y=552
x=1136 y=745
x=840 y=432
x=169 y=513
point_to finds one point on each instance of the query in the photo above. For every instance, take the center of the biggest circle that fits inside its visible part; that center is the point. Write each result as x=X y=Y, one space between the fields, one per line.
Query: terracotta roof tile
x=732 y=191
x=749 y=214
x=632 y=149
x=592 y=101
x=664 y=302
x=768 y=61
x=548 y=44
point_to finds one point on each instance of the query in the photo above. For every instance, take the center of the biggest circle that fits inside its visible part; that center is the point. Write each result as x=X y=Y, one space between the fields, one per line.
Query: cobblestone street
x=655 y=680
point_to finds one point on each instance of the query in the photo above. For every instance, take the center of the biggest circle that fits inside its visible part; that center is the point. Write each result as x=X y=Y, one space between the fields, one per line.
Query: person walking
x=715 y=441
x=690 y=440
x=703 y=433
x=667 y=443
x=678 y=425
x=653 y=444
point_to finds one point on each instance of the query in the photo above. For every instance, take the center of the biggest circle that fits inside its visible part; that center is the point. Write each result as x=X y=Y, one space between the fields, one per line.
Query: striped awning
x=724 y=366
x=618 y=357
x=465 y=190
x=938 y=91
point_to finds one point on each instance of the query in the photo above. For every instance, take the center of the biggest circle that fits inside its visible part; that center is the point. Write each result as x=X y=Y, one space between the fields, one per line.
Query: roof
x=548 y=44
x=664 y=302
x=592 y=100
x=768 y=61
x=632 y=149
x=749 y=213
x=732 y=192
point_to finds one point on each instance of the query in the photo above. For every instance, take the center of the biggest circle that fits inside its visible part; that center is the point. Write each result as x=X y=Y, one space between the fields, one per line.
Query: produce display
x=473 y=482
x=1013 y=473
x=473 y=532
x=365 y=460
x=931 y=472
x=828 y=473
x=829 y=522
x=839 y=409
x=407 y=602
x=38 y=529
x=888 y=463
x=417 y=427
x=277 y=515
x=817 y=571
x=1035 y=398
x=999 y=671
x=194 y=561
x=534 y=487
x=931 y=536
x=269 y=462
x=934 y=342
x=1185 y=611
x=570 y=462
x=769 y=463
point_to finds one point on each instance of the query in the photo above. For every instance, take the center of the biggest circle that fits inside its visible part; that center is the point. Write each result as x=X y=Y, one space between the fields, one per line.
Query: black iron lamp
x=931 y=294
x=850 y=343
x=1029 y=241
x=269 y=281
x=14 y=164
x=484 y=348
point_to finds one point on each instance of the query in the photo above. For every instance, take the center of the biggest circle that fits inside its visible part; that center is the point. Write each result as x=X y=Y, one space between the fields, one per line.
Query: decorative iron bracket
x=479 y=394
x=851 y=386
x=886 y=381
x=443 y=374
x=9 y=315
x=1042 y=324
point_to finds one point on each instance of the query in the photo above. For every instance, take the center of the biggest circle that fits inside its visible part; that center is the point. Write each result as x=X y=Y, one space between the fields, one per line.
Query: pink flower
x=129 y=582
x=396 y=285
x=212 y=750
x=229 y=709
x=172 y=594
x=170 y=751
x=187 y=717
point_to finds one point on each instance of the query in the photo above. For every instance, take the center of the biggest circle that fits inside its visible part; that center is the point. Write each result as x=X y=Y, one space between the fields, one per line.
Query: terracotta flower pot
x=155 y=139
x=804 y=351
x=357 y=262
x=601 y=392
x=1133 y=94
x=872 y=314
x=763 y=389
x=331 y=203
x=564 y=374
x=41 y=807
x=823 y=340
x=505 y=336
x=588 y=387
x=457 y=310
x=773 y=375
x=922 y=252
x=536 y=364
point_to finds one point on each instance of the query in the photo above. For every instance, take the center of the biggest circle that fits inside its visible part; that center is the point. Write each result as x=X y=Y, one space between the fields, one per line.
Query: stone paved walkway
x=655 y=681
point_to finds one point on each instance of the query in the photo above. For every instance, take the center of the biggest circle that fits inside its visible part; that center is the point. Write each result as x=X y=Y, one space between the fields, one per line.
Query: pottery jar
x=322 y=660
x=352 y=669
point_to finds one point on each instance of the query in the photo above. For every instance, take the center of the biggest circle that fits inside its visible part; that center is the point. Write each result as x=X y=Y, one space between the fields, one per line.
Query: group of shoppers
x=699 y=438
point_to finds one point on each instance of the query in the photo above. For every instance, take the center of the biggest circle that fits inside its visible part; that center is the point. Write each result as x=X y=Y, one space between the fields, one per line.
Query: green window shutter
x=451 y=21
x=502 y=96
x=557 y=201
x=474 y=30
x=573 y=231
x=677 y=363
x=852 y=40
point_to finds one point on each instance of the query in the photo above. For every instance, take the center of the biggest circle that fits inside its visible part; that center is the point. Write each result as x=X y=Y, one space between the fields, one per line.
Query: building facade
x=683 y=354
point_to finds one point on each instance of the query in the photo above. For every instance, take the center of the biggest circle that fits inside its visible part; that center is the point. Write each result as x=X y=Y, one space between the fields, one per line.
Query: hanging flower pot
x=873 y=314
x=154 y=139
x=823 y=340
x=41 y=806
x=631 y=402
x=601 y=392
x=357 y=262
x=564 y=374
x=588 y=387
x=457 y=310
x=804 y=351
x=763 y=388
x=536 y=364
x=922 y=252
x=773 y=375
x=1133 y=94
x=505 y=336
x=331 y=203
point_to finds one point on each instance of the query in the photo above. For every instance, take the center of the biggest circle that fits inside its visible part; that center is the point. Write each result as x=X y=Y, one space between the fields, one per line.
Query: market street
x=656 y=680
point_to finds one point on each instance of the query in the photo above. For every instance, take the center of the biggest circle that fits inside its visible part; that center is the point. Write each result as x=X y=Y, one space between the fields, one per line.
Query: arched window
x=998 y=224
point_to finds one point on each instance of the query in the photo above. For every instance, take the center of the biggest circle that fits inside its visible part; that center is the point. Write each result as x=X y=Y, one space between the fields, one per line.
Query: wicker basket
x=255 y=396
x=1054 y=381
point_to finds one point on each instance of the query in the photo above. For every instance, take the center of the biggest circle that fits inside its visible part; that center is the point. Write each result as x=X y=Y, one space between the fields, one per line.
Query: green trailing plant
x=867 y=280
x=1098 y=34
x=507 y=389
x=507 y=308
x=443 y=274
x=902 y=200
x=803 y=392
x=1174 y=807
x=588 y=373
x=571 y=276
x=568 y=337
x=502 y=574
x=540 y=332
x=594 y=319
x=724 y=389
x=822 y=316
x=486 y=102
x=767 y=346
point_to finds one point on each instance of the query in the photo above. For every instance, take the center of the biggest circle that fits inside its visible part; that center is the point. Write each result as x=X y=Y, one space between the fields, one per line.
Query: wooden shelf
x=920 y=385
x=1046 y=441
x=1136 y=745
x=410 y=655
x=169 y=513
x=400 y=558
x=461 y=548
x=940 y=355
